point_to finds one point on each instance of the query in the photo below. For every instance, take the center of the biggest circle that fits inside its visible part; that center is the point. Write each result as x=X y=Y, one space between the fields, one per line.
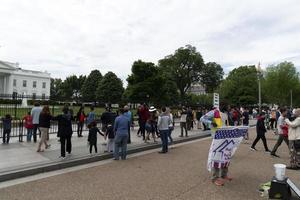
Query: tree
x=72 y=87
x=56 y=92
x=90 y=85
x=148 y=84
x=184 y=67
x=110 y=89
x=279 y=81
x=211 y=76
x=240 y=87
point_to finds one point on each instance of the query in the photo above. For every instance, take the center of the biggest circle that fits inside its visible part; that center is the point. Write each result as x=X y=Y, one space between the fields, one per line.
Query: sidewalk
x=19 y=156
x=179 y=175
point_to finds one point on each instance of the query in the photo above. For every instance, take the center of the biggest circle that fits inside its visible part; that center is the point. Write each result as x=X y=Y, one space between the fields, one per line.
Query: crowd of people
x=154 y=124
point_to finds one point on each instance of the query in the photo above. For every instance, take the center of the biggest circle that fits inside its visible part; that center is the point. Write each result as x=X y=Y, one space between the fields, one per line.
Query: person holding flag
x=224 y=144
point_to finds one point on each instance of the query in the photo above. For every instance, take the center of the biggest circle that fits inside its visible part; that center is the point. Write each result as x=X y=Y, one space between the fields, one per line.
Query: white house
x=197 y=89
x=14 y=80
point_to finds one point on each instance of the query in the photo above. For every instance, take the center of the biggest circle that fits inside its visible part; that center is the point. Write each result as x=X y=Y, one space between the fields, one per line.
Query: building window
x=33 y=95
x=24 y=83
x=44 y=84
x=43 y=96
x=34 y=84
x=15 y=83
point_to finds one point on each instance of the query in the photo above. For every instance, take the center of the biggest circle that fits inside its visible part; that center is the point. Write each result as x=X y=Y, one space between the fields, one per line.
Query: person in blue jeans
x=163 y=124
x=121 y=127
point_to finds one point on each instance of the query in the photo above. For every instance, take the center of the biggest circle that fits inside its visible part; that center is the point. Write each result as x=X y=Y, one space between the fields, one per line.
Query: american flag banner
x=225 y=142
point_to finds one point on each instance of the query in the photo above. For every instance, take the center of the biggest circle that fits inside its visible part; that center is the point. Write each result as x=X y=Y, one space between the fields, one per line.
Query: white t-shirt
x=280 y=122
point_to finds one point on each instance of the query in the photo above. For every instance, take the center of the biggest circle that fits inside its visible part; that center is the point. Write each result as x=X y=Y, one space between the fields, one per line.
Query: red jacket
x=28 y=122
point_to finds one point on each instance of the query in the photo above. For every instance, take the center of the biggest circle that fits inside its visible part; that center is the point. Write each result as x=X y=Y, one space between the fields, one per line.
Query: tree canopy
x=90 y=85
x=110 y=89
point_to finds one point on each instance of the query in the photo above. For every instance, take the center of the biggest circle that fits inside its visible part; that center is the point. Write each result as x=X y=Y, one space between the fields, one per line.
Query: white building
x=197 y=89
x=14 y=80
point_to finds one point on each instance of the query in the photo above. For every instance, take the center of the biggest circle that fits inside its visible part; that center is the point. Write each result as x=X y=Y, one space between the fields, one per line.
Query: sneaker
x=252 y=149
x=275 y=155
x=268 y=151
x=48 y=146
x=62 y=157
x=219 y=182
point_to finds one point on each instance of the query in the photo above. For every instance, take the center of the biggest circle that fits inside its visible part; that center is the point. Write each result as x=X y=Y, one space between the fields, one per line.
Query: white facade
x=14 y=80
x=197 y=89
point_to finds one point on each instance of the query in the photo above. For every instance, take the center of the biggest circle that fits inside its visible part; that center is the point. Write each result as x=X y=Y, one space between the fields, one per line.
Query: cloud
x=75 y=36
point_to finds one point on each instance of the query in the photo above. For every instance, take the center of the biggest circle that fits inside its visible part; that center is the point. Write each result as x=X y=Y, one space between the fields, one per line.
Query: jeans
x=183 y=126
x=6 y=135
x=164 y=140
x=120 y=143
x=280 y=139
x=170 y=135
x=29 y=134
x=79 y=129
x=63 y=141
x=35 y=128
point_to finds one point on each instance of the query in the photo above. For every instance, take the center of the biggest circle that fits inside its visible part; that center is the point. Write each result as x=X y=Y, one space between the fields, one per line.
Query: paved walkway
x=23 y=155
x=181 y=175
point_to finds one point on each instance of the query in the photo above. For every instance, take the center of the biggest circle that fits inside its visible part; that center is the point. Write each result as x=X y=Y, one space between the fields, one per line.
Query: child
x=92 y=138
x=6 y=128
x=28 y=125
x=111 y=136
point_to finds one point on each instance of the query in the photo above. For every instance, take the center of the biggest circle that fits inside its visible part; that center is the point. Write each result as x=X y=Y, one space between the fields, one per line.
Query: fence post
x=16 y=104
x=53 y=109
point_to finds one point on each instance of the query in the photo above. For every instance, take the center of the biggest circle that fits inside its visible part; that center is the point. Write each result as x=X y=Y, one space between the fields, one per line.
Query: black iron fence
x=18 y=129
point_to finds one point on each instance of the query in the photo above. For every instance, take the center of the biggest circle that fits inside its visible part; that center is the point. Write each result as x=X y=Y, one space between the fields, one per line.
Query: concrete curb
x=29 y=171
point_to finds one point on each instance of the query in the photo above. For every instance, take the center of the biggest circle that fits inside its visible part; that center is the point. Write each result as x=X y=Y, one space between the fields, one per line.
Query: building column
x=9 y=85
x=4 y=85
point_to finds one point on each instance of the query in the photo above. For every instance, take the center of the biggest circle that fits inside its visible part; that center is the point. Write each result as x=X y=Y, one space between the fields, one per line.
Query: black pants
x=263 y=138
x=272 y=123
x=35 y=129
x=91 y=147
x=280 y=139
x=143 y=129
x=6 y=135
x=129 y=138
x=79 y=129
x=65 y=145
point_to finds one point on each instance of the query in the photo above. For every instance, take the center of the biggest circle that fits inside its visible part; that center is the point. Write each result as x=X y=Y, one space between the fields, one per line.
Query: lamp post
x=259 y=74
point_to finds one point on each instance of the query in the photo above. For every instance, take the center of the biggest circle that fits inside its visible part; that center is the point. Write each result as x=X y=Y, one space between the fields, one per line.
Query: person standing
x=44 y=125
x=199 y=114
x=65 y=131
x=163 y=124
x=282 y=132
x=245 y=117
x=129 y=116
x=111 y=136
x=273 y=118
x=144 y=112
x=171 y=126
x=294 y=141
x=6 y=128
x=91 y=116
x=189 y=119
x=183 y=122
x=35 y=113
x=92 y=137
x=260 y=130
x=80 y=117
x=28 y=125
x=121 y=126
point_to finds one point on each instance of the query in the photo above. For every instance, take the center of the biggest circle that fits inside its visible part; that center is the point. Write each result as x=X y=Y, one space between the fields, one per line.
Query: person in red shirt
x=28 y=125
x=80 y=121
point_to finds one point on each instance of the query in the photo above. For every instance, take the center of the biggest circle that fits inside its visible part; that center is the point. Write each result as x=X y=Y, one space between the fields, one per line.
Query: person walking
x=121 y=126
x=28 y=125
x=294 y=141
x=35 y=113
x=260 y=130
x=273 y=118
x=80 y=117
x=199 y=114
x=183 y=122
x=144 y=112
x=282 y=132
x=151 y=124
x=65 y=131
x=92 y=137
x=163 y=124
x=44 y=125
x=6 y=121
x=245 y=118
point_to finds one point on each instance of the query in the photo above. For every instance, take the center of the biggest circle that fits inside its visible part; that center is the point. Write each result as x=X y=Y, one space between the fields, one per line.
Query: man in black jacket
x=65 y=131
x=260 y=130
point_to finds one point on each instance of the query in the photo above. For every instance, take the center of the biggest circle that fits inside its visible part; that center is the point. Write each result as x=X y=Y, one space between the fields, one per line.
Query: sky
x=66 y=37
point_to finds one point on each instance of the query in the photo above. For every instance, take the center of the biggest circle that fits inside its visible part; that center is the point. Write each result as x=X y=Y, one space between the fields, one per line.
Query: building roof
x=14 y=67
